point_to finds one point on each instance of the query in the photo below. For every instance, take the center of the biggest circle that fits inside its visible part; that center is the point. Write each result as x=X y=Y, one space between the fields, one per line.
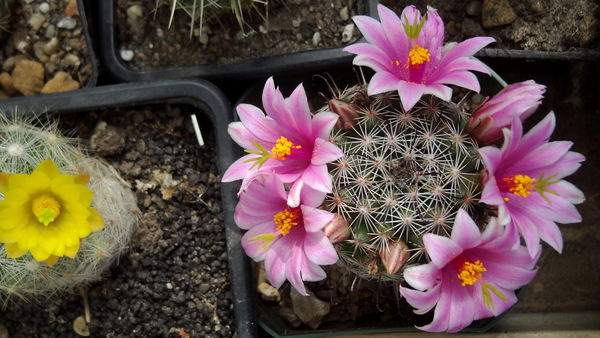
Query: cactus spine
x=22 y=147
x=404 y=174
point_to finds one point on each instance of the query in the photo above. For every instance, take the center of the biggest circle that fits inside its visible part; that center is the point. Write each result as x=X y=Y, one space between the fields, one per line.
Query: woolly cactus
x=22 y=148
x=404 y=174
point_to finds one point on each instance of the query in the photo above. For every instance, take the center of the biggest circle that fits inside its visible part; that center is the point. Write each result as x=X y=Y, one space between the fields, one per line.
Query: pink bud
x=516 y=100
x=394 y=257
x=337 y=230
x=348 y=113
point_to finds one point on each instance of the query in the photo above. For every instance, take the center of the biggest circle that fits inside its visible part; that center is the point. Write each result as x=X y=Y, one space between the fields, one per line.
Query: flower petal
x=441 y=250
x=318 y=249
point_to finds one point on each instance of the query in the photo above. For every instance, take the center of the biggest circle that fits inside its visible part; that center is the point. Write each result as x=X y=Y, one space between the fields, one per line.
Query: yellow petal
x=39 y=254
x=10 y=236
x=86 y=196
x=83 y=229
x=13 y=251
x=18 y=181
x=71 y=251
x=69 y=233
x=28 y=238
x=59 y=250
x=48 y=240
x=16 y=197
x=96 y=221
x=51 y=260
x=48 y=167
x=12 y=217
x=68 y=192
x=38 y=181
x=82 y=179
x=4 y=182
x=77 y=208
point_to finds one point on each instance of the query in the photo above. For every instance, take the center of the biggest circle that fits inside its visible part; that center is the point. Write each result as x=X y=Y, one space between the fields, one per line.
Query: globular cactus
x=22 y=147
x=404 y=174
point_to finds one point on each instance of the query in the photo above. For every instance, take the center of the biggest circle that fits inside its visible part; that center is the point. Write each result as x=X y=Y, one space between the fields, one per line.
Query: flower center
x=470 y=273
x=520 y=185
x=46 y=208
x=283 y=149
x=417 y=56
x=287 y=219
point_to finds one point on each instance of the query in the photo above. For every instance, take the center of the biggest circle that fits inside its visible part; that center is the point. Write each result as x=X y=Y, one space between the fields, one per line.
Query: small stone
x=471 y=28
x=262 y=29
x=52 y=47
x=169 y=286
x=348 y=33
x=288 y=314
x=108 y=140
x=3 y=331
x=344 y=14
x=76 y=43
x=38 y=50
x=536 y=6
x=67 y=23
x=474 y=8
x=73 y=60
x=311 y=310
x=268 y=292
x=80 y=327
x=296 y=23
x=316 y=39
x=36 y=21
x=62 y=82
x=6 y=83
x=160 y=33
x=50 y=31
x=44 y=7
x=72 y=8
x=204 y=39
x=135 y=12
x=127 y=55
x=497 y=13
x=28 y=77
x=9 y=64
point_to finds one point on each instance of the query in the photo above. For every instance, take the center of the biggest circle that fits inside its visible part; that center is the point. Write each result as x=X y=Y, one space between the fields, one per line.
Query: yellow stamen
x=417 y=56
x=283 y=149
x=46 y=208
x=287 y=219
x=470 y=273
x=520 y=185
x=266 y=239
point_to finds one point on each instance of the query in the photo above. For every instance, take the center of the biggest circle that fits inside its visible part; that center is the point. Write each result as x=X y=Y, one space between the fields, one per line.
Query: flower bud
x=394 y=257
x=516 y=100
x=337 y=230
x=348 y=113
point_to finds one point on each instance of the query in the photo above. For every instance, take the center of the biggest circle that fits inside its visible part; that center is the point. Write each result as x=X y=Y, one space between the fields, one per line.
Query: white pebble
x=44 y=7
x=316 y=39
x=169 y=286
x=262 y=29
x=127 y=55
x=204 y=37
x=344 y=13
x=348 y=33
x=50 y=31
x=296 y=23
x=67 y=23
x=160 y=33
x=135 y=12
x=36 y=21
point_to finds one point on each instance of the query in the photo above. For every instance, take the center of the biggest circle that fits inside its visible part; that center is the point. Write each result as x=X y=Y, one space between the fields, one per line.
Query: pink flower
x=407 y=55
x=524 y=181
x=289 y=142
x=516 y=100
x=290 y=240
x=471 y=275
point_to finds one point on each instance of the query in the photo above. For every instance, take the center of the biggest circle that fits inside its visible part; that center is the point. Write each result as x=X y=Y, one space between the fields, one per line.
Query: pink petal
x=293 y=269
x=528 y=231
x=439 y=90
x=465 y=232
x=245 y=221
x=318 y=249
x=318 y=178
x=323 y=123
x=370 y=56
x=461 y=78
x=410 y=93
x=466 y=48
x=393 y=30
x=293 y=199
x=461 y=306
x=241 y=135
x=255 y=121
x=441 y=315
x=238 y=169
x=252 y=249
x=311 y=197
x=569 y=192
x=373 y=32
x=382 y=82
x=441 y=250
x=423 y=302
x=325 y=152
x=276 y=260
x=421 y=277
x=312 y=272
x=299 y=112
x=315 y=219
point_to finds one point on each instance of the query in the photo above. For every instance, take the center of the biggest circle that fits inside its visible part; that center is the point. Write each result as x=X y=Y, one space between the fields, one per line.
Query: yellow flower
x=46 y=213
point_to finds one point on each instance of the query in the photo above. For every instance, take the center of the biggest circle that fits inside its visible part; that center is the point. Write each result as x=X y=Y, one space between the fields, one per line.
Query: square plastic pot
x=209 y=100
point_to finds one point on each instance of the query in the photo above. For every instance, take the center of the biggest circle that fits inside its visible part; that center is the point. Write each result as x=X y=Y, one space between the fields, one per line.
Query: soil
x=22 y=41
x=552 y=25
x=292 y=26
x=174 y=281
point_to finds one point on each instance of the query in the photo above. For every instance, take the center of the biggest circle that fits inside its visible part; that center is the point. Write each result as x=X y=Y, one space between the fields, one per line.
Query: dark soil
x=292 y=26
x=174 y=281
x=552 y=25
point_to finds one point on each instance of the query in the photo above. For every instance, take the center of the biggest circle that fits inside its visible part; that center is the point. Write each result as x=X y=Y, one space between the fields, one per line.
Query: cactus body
x=404 y=174
x=22 y=148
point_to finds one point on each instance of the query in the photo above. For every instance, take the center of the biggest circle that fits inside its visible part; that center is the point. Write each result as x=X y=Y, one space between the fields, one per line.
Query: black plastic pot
x=89 y=41
x=246 y=69
x=207 y=99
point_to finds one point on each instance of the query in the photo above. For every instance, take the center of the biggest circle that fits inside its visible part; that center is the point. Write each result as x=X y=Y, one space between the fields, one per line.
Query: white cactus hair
x=25 y=141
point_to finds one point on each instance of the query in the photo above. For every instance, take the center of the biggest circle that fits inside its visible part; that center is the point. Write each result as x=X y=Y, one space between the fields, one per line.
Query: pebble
x=6 y=83
x=127 y=55
x=3 y=331
x=80 y=327
x=316 y=39
x=38 y=50
x=536 y=6
x=73 y=60
x=36 y=21
x=28 y=77
x=52 y=47
x=169 y=286
x=67 y=22
x=344 y=14
x=50 y=31
x=135 y=12
x=268 y=292
x=44 y=7
x=310 y=310
x=348 y=33
x=474 y=8
x=160 y=33
x=497 y=13
x=296 y=23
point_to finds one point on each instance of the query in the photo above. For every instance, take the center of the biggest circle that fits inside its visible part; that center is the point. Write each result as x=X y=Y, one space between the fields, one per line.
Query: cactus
x=22 y=147
x=404 y=174
x=205 y=10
